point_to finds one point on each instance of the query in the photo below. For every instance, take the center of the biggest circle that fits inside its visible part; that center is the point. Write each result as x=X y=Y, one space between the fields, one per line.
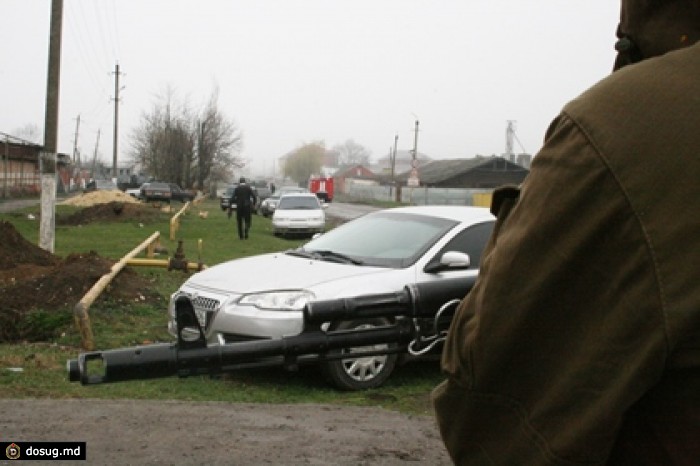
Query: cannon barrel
x=415 y=300
x=192 y=356
x=165 y=360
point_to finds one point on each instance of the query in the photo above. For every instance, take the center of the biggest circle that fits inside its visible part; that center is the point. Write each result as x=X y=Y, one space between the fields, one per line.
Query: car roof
x=468 y=214
x=299 y=194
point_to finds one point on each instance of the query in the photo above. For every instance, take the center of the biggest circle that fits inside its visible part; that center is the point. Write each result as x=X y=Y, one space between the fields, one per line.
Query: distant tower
x=510 y=135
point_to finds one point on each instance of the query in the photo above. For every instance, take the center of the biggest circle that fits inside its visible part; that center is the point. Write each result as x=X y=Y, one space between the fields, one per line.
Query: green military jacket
x=580 y=342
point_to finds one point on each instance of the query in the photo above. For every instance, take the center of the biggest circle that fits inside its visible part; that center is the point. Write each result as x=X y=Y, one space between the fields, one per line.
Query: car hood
x=279 y=271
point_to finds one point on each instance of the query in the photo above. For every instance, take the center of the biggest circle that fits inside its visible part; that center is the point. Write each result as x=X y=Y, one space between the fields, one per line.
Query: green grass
x=38 y=369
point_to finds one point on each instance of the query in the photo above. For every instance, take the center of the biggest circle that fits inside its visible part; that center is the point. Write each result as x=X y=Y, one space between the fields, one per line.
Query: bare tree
x=220 y=143
x=173 y=143
x=29 y=132
x=351 y=152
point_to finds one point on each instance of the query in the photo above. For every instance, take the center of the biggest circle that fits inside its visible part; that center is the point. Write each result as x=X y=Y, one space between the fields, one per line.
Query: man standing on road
x=245 y=199
x=580 y=342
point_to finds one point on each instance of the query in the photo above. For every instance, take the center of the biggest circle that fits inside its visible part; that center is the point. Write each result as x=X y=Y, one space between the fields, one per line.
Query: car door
x=457 y=282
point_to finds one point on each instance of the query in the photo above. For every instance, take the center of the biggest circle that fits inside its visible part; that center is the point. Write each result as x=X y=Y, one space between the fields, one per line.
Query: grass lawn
x=37 y=369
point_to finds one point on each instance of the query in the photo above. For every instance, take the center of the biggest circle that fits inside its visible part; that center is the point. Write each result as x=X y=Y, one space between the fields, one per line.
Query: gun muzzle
x=141 y=362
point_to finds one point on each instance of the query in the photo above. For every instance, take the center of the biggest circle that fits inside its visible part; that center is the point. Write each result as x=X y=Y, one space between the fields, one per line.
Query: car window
x=298 y=203
x=472 y=240
x=384 y=239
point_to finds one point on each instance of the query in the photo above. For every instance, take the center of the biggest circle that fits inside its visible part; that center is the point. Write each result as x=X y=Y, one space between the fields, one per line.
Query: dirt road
x=181 y=433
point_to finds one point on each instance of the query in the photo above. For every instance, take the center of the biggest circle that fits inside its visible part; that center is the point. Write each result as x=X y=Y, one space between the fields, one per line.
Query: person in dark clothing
x=244 y=198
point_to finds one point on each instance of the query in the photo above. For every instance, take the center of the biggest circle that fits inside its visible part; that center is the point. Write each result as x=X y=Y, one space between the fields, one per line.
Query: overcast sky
x=291 y=72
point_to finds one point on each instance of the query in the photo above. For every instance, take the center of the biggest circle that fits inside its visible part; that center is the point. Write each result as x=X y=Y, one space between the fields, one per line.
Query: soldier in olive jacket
x=580 y=342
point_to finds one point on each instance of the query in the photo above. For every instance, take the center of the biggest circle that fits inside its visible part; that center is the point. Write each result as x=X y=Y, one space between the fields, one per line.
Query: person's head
x=649 y=28
x=242 y=180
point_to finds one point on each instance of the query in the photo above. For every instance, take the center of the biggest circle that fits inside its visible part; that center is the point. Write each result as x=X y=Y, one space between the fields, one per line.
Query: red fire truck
x=322 y=187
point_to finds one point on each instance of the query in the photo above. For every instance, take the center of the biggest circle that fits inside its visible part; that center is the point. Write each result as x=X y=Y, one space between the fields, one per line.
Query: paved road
x=16 y=204
x=348 y=211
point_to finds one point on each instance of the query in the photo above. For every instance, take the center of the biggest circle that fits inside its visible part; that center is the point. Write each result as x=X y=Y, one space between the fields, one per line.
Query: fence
x=420 y=195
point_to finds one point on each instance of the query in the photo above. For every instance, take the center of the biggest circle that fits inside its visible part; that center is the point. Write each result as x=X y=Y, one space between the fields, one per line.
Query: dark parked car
x=156 y=191
x=179 y=194
x=225 y=199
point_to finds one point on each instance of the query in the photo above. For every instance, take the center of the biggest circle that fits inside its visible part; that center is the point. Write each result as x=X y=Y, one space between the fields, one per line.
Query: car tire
x=354 y=374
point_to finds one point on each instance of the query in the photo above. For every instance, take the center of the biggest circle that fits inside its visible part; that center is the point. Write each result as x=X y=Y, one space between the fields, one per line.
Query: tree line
x=198 y=148
x=195 y=148
x=307 y=159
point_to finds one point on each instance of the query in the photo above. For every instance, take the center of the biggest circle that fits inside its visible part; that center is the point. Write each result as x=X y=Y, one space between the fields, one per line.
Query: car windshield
x=298 y=203
x=383 y=239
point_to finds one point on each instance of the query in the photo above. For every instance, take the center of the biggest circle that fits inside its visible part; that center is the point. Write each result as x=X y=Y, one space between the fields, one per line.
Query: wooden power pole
x=47 y=225
x=116 y=122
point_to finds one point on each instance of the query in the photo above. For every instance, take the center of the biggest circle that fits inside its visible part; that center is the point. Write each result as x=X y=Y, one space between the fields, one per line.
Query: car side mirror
x=450 y=260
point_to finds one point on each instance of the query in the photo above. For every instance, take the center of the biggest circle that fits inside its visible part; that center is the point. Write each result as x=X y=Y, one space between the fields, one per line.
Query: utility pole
x=47 y=225
x=510 y=133
x=94 y=155
x=76 y=154
x=116 y=121
x=7 y=158
x=393 y=158
x=413 y=179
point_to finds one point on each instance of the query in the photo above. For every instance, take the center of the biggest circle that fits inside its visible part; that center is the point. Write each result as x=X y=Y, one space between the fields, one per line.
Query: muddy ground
x=185 y=433
x=182 y=433
x=31 y=277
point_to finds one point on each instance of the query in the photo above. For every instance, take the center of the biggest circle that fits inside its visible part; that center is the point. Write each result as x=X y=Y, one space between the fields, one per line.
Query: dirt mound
x=112 y=211
x=15 y=250
x=100 y=197
x=38 y=280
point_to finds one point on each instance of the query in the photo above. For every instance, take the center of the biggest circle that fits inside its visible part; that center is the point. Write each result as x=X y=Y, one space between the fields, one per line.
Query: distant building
x=404 y=159
x=353 y=172
x=475 y=173
x=524 y=160
x=20 y=168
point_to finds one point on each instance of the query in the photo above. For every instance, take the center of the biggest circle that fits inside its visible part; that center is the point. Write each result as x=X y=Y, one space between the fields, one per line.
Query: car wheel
x=363 y=372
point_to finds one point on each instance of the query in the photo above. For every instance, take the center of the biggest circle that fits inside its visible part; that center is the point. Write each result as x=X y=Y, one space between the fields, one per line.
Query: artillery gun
x=414 y=326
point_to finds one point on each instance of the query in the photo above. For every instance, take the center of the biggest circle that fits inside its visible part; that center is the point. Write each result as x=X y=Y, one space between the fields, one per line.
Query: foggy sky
x=290 y=72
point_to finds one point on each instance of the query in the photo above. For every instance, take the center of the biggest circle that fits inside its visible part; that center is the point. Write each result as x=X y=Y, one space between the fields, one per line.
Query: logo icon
x=12 y=451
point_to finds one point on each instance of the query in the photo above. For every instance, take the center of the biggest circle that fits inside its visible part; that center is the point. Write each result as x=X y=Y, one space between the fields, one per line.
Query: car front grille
x=205 y=308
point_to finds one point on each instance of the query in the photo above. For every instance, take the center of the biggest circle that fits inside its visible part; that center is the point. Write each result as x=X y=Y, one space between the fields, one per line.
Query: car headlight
x=278 y=300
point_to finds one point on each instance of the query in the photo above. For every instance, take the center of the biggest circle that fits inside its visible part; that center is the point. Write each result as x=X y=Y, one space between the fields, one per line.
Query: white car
x=262 y=297
x=269 y=204
x=298 y=213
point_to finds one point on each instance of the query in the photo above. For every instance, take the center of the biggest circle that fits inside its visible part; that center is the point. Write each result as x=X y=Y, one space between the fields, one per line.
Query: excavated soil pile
x=100 y=197
x=33 y=279
x=108 y=206
x=113 y=211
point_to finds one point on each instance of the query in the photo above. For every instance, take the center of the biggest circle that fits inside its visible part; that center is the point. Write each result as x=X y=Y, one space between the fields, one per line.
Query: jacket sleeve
x=561 y=333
